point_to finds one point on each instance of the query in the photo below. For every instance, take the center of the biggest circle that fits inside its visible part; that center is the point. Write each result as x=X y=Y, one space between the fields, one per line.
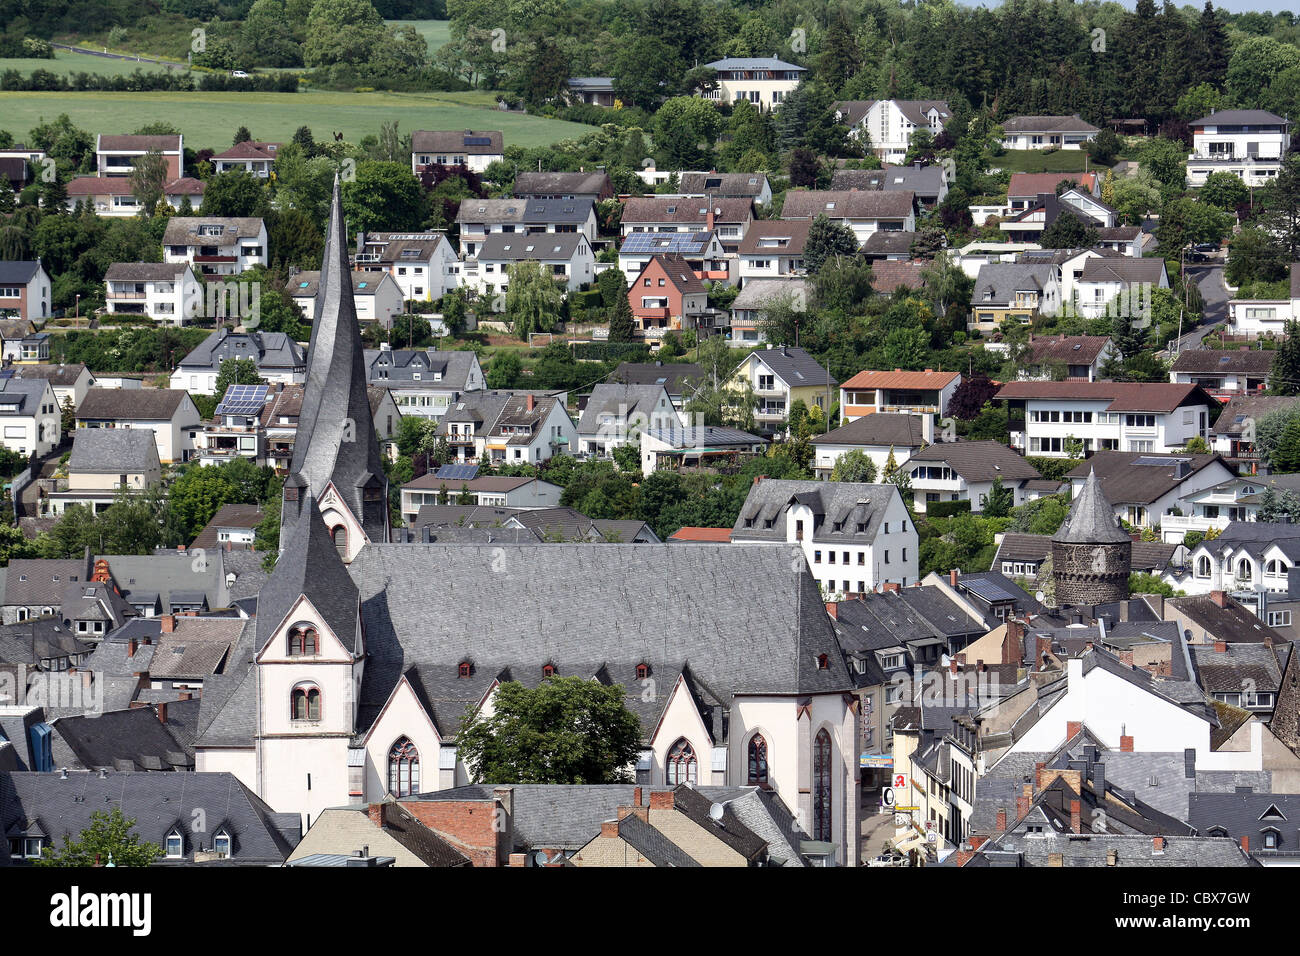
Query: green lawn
x=65 y=63
x=1034 y=161
x=435 y=32
x=210 y=119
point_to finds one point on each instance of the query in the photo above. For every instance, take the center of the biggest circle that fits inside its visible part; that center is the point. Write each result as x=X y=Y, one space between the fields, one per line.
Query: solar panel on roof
x=243 y=399
x=478 y=140
x=457 y=472
x=1157 y=462
x=989 y=590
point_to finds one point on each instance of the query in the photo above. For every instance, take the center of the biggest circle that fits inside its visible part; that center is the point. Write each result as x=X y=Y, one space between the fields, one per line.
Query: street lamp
x=77 y=306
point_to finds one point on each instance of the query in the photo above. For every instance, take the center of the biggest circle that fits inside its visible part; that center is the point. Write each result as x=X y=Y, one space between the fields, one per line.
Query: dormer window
x=642 y=671
x=823 y=662
x=548 y=670
x=464 y=669
x=175 y=844
x=221 y=843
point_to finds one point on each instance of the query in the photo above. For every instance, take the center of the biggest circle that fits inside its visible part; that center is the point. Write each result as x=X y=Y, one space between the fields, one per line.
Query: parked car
x=1206 y=247
x=240 y=74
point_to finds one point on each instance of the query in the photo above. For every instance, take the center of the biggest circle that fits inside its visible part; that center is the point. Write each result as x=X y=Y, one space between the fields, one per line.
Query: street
x=1209 y=279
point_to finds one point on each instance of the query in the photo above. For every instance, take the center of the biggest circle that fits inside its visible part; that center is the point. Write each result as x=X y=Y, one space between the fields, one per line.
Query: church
x=365 y=656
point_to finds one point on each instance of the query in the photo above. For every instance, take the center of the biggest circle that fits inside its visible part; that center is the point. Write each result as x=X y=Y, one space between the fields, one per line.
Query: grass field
x=1033 y=161
x=435 y=32
x=65 y=63
x=210 y=119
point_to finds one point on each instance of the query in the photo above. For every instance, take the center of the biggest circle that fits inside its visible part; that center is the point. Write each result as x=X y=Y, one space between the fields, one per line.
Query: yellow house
x=782 y=376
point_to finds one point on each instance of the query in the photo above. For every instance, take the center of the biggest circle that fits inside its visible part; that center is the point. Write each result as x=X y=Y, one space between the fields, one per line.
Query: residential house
x=1259 y=823
x=856 y=537
x=116 y=155
x=70 y=382
x=591 y=90
x=1044 y=210
x=566 y=186
x=236 y=430
x=1057 y=357
x=1143 y=489
x=891 y=246
x=679 y=379
x=1265 y=317
x=30 y=415
x=24 y=290
x=1246 y=556
x=1217 y=618
x=1068 y=264
x=529 y=429
x=1013 y=291
x=1057 y=418
x=702 y=252
x=377 y=296
x=928 y=183
x=889 y=124
x=973 y=256
x=35 y=587
x=1240 y=498
x=863 y=212
x=115 y=195
x=424 y=264
x=169 y=413
x=1233 y=432
x=156 y=738
x=908 y=393
x=715 y=185
x=234 y=526
x=666 y=295
x=729 y=218
x=1023 y=555
x=773 y=248
x=1025 y=189
x=105 y=463
x=1119 y=285
x=471 y=524
x=1226 y=375
x=615 y=414
x=518 y=492
x=253 y=157
x=749 y=306
x=1126 y=240
x=782 y=376
x=345 y=835
x=22 y=346
x=1047 y=132
x=480 y=218
x=888 y=276
x=566 y=257
x=476 y=150
x=216 y=246
x=877 y=436
x=165 y=292
x=278 y=359
x=675 y=448
x=764 y=81
x=965 y=471
x=276 y=427
x=424 y=382
x=1249 y=144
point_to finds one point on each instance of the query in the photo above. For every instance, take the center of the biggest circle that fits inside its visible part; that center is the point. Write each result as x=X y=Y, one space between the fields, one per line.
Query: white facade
x=226 y=255
x=856 y=569
x=167 y=301
x=765 y=82
x=1257 y=317
x=37 y=427
x=1050 y=424
x=487 y=275
x=1249 y=144
x=890 y=128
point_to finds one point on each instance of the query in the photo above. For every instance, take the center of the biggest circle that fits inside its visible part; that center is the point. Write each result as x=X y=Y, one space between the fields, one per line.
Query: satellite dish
x=1039 y=596
x=540 y=858
x=715 y=813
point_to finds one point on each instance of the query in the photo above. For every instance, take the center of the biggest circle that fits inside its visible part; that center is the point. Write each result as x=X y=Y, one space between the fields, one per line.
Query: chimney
x=1099 y=779
x=1220 y=647
x=376 y=813
x=890 y=586
x=952 y=666
x=1013 y=643
x=130 y=647
x=1219 y=597
x=1245 y=844
x=1126 y=745
x=1158 y=844
x=168 y=622
x=161 y=707
x=952 y=577
x=832 y=608
x=1001 y=825
x=1073 y=728
x=661 y=800
x=186 y=695
x=1043 y=648
x=530 y=402
x=708 y=220
x=1076 y=817
x=1055 y=859
x=1024 y=800
x=609 y=828
x=636 y=796
x=1126 y=657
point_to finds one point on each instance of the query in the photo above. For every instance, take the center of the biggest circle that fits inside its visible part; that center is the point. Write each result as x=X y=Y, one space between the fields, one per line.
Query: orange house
x=666 y=295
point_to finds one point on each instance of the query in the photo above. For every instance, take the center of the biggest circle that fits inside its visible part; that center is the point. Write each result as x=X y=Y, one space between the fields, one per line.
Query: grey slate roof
x=621 y=401
x=135 y=736
x=184 y=230
x=41 y=581
x=133 y=404
x=527 y=211
x=454 y=141
x=677 y=378
x=1239 y=118
x=1236 y=361
x=652 y=843
x=1249 y=815
x=102 y=451
x=1047 y=124
x=842 y=503
x=1131 y=850
x=309 y=566
x=541 y=247
x=145 y=271
x=17 y=272
x=20 y=396
x=399 y=367
x=795 y=367
x=998 y=282
x=848 y=204
x=270 y=350
x=722 y=184
x=881 y=429
x=1091 y=519
x=561 y=184
x=978 y=460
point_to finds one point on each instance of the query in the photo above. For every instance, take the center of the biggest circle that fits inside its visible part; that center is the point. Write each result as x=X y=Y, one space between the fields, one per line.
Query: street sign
x=931 y=837
x=900 y=781
x=887 y=797
x=876 y=761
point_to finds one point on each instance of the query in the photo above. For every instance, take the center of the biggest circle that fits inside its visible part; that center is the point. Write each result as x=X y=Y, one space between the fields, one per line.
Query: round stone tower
x=1091 y=554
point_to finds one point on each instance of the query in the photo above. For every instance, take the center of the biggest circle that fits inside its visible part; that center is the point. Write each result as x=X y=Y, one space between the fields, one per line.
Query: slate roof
x=132 y=404
x=39 y=639
x=677 y=378
x=157 y=802
x=540 y=247
x=20 y=396
x=1130 y=477
x=730 y=185
x=1236 y=361
x=1120 y=396
x=621 y=401
x=703 y=436
x=795 y=367
x=833 y=503
x=401 y=365
x=1239 y=118
x=1091 y=519
x=1149 y=556
x=646 y=209
x=18 y=272
x=1241 y=409
x=145 y=271
x=925 y=181
x=1047 y=124
x=1232 y=624
x=41 y=581
x=270 y=350
x=526 y=210
x=1122 y=269
x=59 y=376
x=1229 y=670
x=141 y=142
x=1250 y=815
x=133 y=739
x=881 y=429
x=562 y=184
x=998 y=282
x=227 y=516
x=758 y=293
x=104 y=451
x=184 y=230
x=754 y=63
x=978 y=460
x=848 y=204
x=1072 y=349
x=454 y=141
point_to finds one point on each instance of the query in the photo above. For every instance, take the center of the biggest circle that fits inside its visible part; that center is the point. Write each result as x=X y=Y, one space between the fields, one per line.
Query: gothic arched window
x=682 y=766
x=306 y=702
x=303 y=641
x=403 y=768
x=821 y=783
x=757 y=761
x=340 y=536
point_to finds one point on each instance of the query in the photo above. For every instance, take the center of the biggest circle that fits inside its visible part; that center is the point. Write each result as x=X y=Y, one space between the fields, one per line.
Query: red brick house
x=666 y=295
x=24 y=290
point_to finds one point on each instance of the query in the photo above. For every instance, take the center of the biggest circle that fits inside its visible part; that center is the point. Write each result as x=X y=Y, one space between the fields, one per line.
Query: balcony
x=112 y=294
x=460 y=439
x=217 y=259
x=652 y=312
x=1174 y=527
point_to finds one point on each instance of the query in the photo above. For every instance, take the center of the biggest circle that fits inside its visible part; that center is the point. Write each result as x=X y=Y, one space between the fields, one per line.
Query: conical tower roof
x=1091 y=519
x=335 y=441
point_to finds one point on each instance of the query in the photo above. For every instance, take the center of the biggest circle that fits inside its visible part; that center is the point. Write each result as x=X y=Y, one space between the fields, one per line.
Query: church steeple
x=335 y=446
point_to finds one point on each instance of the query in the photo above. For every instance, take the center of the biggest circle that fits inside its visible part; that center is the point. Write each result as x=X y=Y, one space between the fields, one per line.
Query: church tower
x=1091 y=554
x=336 y=460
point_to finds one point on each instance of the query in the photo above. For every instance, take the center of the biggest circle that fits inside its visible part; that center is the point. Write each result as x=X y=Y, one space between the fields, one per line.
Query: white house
x=104 y=463
x=166 y=292
x=863 y=211
x=424 y=382
x=729 y=218
x=1235 y=500
x=1246 y=556
x=1124 y=284
x=1249 y=144
x=116 y=155
x=965 y=471
x=1068 y=264
x=749 y=307
x=377 y=296
x=856 y=537
x=1079 y=356
x=424 y=264
x=773 y=248
x=474 y=149
x=567 y=257
x=1147 y=490
x=1224 y=374
x=1047 y=132
x=616 y=414
x=216 y=246
x=168 y=412
x=279 y=359
x=480 y=218
x=889 y=124
x=495 y=491
x=1044 y=210
x=877 y=436
x=925 y=393
x=250 y=156
x=30 y=416
x=1053 y=419
x=702 y=251
x=674 y=448
x=530 y=429
x=1267 y=317
x=114 y=195
x=764 y=81
x=70 y=381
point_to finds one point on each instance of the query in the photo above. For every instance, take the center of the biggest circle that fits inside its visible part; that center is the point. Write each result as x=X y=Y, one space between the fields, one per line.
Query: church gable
x=304 y=633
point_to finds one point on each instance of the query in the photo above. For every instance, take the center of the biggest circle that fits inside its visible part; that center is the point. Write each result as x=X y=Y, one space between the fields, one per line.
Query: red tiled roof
x=888 y=274
x=900 y=379
x=1031 y=184
x=1123 y=396
x=248 y=150
x=708 y=535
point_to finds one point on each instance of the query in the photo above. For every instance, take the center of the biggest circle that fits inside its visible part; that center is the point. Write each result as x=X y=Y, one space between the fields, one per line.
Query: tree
x=342 y=31
x=1286 y=458
x=854 y=465
x=504 y=370
x=110 y=835
x=148 y=177
x=1224 y=191
x=383 y=195
x=1284 y=377
x=1068 y=232
x=1104 y=147
x=685 y=130
x=827 y=240
x=236 y=372
x=998 y=502
x=1167 y=161
x=1185 y=221
x=568 y=730
x=970 y=397
x=236 y=193
x=895 y=474
x=1281 y=202
x=621 y=326
x=533 y=299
